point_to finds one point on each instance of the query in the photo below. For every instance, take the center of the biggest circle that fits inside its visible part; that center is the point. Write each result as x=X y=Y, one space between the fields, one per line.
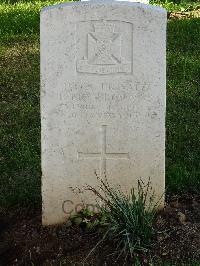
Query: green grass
x=177 y=5
x=22 y=17
x=20 y=122
x=20 y=116
x=183 y=105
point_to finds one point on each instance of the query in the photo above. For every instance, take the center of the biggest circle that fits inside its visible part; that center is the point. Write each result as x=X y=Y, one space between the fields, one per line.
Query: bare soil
x=23 y=240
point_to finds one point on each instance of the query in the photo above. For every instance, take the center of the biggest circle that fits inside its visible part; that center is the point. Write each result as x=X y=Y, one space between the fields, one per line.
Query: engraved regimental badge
x=104 y=51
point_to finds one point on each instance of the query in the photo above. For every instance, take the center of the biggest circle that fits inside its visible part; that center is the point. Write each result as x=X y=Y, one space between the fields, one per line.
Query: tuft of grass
x=129 y=218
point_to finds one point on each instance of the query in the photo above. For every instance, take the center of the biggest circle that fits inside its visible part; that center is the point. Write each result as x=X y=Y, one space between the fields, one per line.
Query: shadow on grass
x=183 y=105
x=20 y=122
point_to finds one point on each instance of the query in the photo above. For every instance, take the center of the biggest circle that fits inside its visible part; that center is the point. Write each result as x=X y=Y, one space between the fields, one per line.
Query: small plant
x=88 y=219
x=129 y=219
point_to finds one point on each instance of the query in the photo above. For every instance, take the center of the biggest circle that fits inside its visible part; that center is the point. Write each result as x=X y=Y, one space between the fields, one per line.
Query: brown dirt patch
x=23 y=241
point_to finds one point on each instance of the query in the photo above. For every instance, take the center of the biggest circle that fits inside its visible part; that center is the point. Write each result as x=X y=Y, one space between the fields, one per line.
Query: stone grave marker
x=103 y=79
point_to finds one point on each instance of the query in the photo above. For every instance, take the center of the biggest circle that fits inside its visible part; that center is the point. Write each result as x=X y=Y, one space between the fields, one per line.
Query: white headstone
x=102 y=100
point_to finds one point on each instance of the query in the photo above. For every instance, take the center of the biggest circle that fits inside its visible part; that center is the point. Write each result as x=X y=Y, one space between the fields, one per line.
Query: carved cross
x=103 y=155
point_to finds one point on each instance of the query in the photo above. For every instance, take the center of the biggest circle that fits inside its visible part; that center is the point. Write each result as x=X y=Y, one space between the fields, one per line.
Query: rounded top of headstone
x=134 y=1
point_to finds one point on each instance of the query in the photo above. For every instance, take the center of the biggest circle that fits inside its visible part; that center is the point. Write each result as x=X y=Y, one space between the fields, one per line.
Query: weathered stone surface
x=102 y=100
